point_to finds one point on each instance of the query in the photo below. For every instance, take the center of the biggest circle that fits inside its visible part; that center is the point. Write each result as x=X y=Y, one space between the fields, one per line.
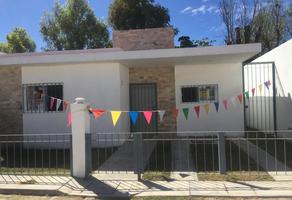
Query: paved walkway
x=117 y=185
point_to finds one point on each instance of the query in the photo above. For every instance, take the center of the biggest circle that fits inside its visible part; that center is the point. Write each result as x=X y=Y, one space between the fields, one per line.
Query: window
x=37 y=97
x=200 y=93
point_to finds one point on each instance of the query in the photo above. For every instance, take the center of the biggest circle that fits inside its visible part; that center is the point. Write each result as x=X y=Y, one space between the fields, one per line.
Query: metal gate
x=261 y=108
x=143 y=97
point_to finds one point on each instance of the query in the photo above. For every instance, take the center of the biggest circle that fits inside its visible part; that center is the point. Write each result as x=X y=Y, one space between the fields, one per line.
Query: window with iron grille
x=36 y=97
x=199 y=93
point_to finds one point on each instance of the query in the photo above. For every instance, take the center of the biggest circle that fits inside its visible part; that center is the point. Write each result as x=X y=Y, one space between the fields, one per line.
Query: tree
x=289 y=21
x=227 y=11
x=185 y=42
x=137 y=14
x=18 y=41
x=254 y=22
x=73 y=26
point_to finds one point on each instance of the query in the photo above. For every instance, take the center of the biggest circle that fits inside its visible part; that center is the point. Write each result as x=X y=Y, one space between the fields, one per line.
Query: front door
x=143 y=97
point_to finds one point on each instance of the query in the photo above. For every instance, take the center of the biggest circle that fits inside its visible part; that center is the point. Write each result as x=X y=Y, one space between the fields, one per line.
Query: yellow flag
x=207 y=108
x=261 y=88
x=115 y=116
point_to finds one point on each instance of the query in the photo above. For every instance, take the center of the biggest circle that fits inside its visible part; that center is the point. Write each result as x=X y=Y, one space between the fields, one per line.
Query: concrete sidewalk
x=112 y=185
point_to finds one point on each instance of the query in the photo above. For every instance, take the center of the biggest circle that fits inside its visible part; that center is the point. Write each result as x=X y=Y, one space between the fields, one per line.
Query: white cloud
x=201 y=9
x=186 y=9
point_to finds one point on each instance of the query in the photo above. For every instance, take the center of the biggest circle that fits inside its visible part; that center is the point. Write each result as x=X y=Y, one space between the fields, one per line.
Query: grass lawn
x=156 y=176
x=235 y=176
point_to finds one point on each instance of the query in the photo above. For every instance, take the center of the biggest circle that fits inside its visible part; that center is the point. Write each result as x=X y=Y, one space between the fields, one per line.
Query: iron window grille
x=199 y=93
x=37 y=97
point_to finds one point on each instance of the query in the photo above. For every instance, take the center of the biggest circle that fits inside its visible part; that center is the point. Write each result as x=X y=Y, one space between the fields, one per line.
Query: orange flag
x=97 y=113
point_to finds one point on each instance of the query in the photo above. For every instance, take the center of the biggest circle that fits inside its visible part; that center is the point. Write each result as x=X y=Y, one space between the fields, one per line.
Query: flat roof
x=230 y=53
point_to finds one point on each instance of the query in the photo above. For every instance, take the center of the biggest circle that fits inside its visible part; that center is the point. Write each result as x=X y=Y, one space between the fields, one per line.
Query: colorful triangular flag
x=233 y=100
x=240 y=98
x=161 y=114
x=134 y=116
x=58 y=104
x=247 y=95
x=261 y=88
x=65 y=105
x=216 y=106
x=225 y=103
x=115 y=116
x=148 y=116
x=267 y=84
x=207 y=108
x=175 y=112
x=52 y=101
x=186 y=112
x=253 y=91
x=69 y=119
x=97 y=113
x=197 y=110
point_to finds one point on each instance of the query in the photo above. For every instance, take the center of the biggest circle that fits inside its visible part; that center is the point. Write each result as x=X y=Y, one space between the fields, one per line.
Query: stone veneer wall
x=10 y=100
x=164 y=79
x=142 y=39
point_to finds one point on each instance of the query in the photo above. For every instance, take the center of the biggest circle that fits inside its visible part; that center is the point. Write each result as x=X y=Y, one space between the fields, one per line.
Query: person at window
x=39 y=99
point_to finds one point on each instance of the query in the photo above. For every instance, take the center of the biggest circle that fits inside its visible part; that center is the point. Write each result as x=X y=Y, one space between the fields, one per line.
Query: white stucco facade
x=103 y=85
x=228 y=77
x=282 y=57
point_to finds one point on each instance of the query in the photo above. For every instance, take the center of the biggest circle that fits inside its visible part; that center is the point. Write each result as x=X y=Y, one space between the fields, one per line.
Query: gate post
x=138 y=152
x=221 y=153
x=80 y=138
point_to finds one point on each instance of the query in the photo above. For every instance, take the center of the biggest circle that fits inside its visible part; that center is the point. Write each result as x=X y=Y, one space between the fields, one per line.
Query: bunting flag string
x=216 y=106
x=69 y=119
x=253 y=91
x=240 y=98
x=148 y=116
x=261 y=88
x=97 y=113
x=55 y=103
x=115 y=116
x=186 y=112
x=207 y=108
x=197 y=110
x=175 y=113
x=225 y=103
x=161 y=114
x=134 y=116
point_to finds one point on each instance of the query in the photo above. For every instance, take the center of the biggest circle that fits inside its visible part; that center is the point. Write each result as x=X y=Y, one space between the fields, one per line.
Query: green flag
x=247 y=95
x=186 y=112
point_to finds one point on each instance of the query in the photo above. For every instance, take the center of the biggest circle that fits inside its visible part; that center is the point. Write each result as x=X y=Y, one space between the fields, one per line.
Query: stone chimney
x=143 y=39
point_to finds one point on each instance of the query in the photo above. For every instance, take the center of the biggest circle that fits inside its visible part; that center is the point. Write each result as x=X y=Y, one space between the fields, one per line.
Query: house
x=143 y=71
x=271 y=106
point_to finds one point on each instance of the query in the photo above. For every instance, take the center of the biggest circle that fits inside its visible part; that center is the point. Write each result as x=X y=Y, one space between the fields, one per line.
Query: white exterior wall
x=282 y=56
x=103 y=85
x=229 y=79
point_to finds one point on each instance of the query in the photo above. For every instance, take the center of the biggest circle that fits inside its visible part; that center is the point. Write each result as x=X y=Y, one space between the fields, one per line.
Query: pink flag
x=65 y=105
x=69 y=119
x=240 y=97
x=225 y=102
x=197 y=109
x=253 y=91
x=52 y=103
x=148 y=116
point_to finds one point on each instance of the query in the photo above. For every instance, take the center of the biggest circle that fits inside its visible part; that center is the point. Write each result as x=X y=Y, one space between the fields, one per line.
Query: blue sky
x=196 y=18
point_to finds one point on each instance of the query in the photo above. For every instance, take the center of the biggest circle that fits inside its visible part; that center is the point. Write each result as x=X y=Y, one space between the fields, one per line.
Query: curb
x=48 y=190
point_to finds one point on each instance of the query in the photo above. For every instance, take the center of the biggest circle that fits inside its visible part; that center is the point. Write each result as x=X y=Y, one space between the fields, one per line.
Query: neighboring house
x=277 y=65
x=142 y=72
